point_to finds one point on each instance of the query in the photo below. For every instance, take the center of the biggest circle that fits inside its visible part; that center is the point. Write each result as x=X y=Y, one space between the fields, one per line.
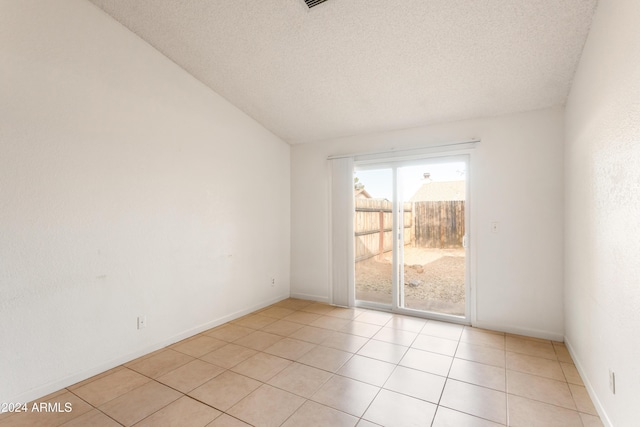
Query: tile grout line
x=94 y=407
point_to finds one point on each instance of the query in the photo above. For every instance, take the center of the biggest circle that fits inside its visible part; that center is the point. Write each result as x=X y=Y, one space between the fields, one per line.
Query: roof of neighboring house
x=435 y=191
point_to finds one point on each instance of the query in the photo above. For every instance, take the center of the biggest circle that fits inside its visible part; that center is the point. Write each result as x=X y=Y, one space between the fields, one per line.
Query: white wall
x=516 y=179
x=126 y=187
x=602 y=175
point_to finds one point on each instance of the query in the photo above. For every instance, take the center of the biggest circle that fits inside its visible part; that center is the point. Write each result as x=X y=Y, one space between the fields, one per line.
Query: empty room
x=320 y=213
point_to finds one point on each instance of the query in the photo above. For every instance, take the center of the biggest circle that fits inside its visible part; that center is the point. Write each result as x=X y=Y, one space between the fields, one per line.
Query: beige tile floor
x=300 y=363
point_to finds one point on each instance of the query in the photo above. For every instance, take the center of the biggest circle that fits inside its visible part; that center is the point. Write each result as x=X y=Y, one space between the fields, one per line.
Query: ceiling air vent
x=312 y=3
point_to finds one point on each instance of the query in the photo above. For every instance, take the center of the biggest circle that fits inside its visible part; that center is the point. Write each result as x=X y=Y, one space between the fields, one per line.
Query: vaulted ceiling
x=349 y=67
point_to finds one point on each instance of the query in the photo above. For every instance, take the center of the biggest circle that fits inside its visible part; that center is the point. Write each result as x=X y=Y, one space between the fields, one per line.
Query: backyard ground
x=434 y=279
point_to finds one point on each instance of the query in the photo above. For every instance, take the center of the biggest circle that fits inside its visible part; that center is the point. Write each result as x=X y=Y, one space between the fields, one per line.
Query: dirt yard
x=434 y=279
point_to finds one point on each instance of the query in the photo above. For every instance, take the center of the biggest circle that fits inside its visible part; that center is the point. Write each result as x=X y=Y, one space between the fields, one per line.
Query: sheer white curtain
x=342 y=238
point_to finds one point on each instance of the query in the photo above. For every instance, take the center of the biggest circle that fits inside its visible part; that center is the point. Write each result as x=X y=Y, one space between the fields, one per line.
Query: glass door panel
x=432 y=222
x=373 y=191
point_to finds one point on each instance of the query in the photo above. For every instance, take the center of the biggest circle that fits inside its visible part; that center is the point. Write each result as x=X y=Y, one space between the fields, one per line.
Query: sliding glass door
x=411 y=226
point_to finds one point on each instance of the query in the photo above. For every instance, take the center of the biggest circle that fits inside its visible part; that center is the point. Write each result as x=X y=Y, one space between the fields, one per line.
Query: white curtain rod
x=406 y=150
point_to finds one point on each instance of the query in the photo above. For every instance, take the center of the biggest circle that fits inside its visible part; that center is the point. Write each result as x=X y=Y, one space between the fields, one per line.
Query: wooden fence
x=373 y=227
x=439 y=224
x=426 y=224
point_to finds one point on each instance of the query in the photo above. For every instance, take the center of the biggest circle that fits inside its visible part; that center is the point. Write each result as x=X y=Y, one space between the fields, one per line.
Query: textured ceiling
x=351 y=67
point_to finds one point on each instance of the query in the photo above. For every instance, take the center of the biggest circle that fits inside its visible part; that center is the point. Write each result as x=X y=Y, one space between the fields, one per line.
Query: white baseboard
x=54 y=386
x=587 y=384
x=310 y=297
x=535 y=333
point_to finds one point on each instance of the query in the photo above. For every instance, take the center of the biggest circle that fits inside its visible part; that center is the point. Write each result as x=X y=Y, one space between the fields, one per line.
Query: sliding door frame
x=397 y=293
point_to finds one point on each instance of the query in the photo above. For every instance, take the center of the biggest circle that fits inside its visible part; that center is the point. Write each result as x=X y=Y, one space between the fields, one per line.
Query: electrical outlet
x=142 y=322
x=612 y=381
x=273 y=282
x=495 y=227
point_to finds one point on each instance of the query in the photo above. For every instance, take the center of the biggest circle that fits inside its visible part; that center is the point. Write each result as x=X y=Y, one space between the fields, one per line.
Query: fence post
x=381 y=240
x=412 y=231
x=443 y=230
